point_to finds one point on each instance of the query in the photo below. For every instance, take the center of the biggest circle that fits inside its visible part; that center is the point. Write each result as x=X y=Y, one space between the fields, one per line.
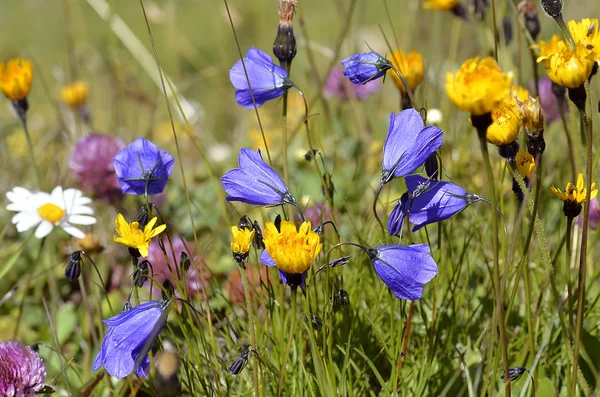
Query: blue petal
x=440 y=201
x=243 y=187
x=408 y=144
x=266 y=259
x=396 y=219
x=405 y=269
x=252 y=162
x=362 y=68
x=127 y=315
x=244 y=99
x=119 y=363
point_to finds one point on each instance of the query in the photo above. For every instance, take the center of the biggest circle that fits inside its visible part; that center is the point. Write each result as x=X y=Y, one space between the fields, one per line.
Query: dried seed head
x=287 y=9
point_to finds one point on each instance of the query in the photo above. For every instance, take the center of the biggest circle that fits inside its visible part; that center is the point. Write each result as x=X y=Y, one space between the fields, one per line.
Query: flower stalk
x=250 y=311
x=290 y=338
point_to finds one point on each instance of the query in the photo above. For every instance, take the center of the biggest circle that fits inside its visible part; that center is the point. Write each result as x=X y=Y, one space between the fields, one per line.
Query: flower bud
x=73 y=268
x=184 y=261
x=284 y=47
x=553 y=8
x=141 y=274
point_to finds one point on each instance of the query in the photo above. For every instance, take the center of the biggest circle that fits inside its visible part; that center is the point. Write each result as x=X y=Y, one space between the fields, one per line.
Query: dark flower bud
x=460 y=11
x=73 y=269
x=144 y=215
x=316 y=321
x=184 y=261
x=553 y=8
x=21 y=106
x=239 y=362
x=168 y=290
x=344 y=260
x=245 y=223
x=479 y=8
x=508 y=29
x=432 y=167
x=258 y=237
x=141 y=274
x=513 y=374
x=310 y=154
x=284 y=47
x=340 y=300
x=532 y=23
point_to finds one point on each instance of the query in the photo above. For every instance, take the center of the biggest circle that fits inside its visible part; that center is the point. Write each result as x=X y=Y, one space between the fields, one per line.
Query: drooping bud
x=141 y=273
x=508 y=29
x=168 y=290
x=144 y=215
x=432 y=167
x=73 y=268
x=553 y=8
x=284 y=47
x=239 y=362
x=184 y=261
x=532 y=22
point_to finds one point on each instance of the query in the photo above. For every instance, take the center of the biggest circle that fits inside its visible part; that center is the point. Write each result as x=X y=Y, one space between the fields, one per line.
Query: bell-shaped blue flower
x=408 y=144
x=255 y=182
x=365 y=67
x=267 y=80
x=428 y=201
x=130 y=335
x=143 y=168
x=405 y=269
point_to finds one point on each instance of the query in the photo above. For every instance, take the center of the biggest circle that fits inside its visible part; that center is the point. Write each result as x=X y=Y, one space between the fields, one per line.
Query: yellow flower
x=586 y=33
x=532 y=115
x=478 y=86
x=240 y=243
x=293 y=251
x=518 y=93
x=547 y=48
x=410 y=67
x=16 y=77
x=525 y=165
x=567 y=67
x=75 y=94
x=575 y=194
x=506 y=122
x=131 y=236
x=441 y=4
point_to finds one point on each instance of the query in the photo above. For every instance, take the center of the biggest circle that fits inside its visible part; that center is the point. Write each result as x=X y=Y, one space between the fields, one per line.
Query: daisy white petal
x=73 y=231
x=82 y=219
x=43 y=229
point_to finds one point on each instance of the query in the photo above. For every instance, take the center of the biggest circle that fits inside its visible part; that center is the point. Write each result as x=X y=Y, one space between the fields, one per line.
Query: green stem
x=586 y=118
x=568 y=268
x=285 y=139
x=496 y=250
x=250 y=311
x=36 y=170
x=288 y=344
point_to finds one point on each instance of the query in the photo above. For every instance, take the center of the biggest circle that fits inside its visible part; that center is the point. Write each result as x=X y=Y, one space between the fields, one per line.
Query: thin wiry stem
x=288 y=344
x=250 y=311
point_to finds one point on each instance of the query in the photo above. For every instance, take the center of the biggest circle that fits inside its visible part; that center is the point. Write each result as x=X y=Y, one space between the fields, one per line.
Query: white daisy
x=59 y=208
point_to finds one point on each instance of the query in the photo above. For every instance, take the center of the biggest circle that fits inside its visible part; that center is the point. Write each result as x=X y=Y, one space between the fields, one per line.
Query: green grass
x=453 y=348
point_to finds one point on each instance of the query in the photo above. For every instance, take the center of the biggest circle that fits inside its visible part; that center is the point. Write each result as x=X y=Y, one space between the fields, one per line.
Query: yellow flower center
x=51 y=213
x=293 y=251
x=130 y=234
x=242 y=238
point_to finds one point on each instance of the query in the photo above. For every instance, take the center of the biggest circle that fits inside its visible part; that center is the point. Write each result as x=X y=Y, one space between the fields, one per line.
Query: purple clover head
x=267 y=80
x=129 y=335
x=365 y=67
x=255 y=182
x=142 y=165
x=408 y=144
x=22 y=371
x=405 y=269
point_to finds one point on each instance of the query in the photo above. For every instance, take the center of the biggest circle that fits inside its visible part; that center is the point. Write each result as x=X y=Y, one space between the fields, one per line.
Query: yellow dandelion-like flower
x=574 y=196
x=478 y=86
x=586 y=33
x=546 y=48
x=75 y=94
x=505 y=125
x=410 y=66
x=240 y=242
x=130 y=234
x=16 y=78
x=293 y=251
x=567 y=67
x=525 y=165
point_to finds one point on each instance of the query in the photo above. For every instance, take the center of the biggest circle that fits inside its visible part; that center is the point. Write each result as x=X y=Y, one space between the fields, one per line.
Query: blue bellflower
x=365 y=67
x=428 y=201
x=142 y=165
x=405 y=269
x=129 y=335
x=267 y=80
x=408 y=144
x=255 y=182
x=286 y=278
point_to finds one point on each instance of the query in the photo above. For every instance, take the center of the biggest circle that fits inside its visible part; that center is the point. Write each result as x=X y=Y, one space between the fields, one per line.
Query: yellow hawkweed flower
x=574 y=193
x=478 y=86
x=131 y=236
x=75 y=94
x=444 y=5
x=525 y=165
x=567 y=67
x=547 y=48
x=506 y=122
x=240 y=243
x=410 y=67
x=16 y=77
x=586 y=33
x=293 y=251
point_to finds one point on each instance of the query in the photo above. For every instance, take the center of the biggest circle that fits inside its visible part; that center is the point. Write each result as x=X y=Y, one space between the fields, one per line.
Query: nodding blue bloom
x=408 y=144
x=267 y=80
x=405 y=269
x=143 y=168
x=365 y=67
x=255 y=182
x=287 y=278
x=428 y=201
x=130 y=335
